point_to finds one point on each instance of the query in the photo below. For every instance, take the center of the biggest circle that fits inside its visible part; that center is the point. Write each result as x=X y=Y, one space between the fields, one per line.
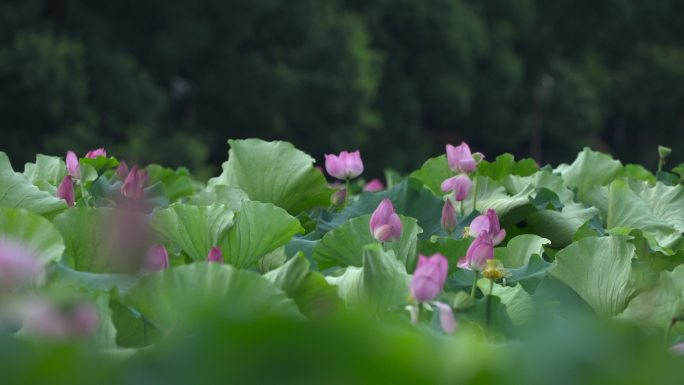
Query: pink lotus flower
x=459 y=184
x=429 y=277
x=134 y=185
x=347 y=165
x=215 y=255
x=19 y=265
x=65 y=190
x=446 y=317
x=72 y=165
x=385 y=224
x=45 y=319
x=481 y=250
x=95 y=153
x=156 y=259
x=449 y=222
x=374 y=185
x=122 y=171
x=489 y=224
x=460 y=159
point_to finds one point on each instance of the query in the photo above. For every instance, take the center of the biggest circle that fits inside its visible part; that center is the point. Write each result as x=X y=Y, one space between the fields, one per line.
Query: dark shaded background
x=170 y=81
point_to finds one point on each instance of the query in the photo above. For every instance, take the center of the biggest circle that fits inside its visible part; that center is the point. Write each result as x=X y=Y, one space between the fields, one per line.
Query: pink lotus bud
x=429 y=277
x=156 y=259
x=95 y=153
x=489 y=224
x=215 y=255
x=122 y=171
x=481 y=250
x=84 y=320
x=72 y=165
x=347 y=165
x=460 y=185
x=385 y=224
x=460 y=159
x=374 y=185
x=338 y=197
x=446 y=317
x=19 y=266
x=134 y=185
x=449 y=222
x=65 y=190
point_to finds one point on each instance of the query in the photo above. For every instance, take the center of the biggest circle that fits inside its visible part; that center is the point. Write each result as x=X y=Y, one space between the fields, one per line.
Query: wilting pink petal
x=347 y=165
x=374 y=186
x=446 y=317
x=95 y=153
x=65 y=190
x=385 y=225
x=460 y=185
x=489 y=224
x=215 y=255
x=72 y=165
x=481 y=250
x=460 y=159
x=429 y=277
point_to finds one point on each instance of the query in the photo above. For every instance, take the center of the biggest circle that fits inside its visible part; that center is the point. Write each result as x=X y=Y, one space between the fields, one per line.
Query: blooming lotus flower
x=449 y=222
x=95 y=153
x=481 y=250
x=385 y=224
x=65 y=190
x=459 y=184
x=460 y=159
x=347 y=165
x=429 y=277
x=446 y=317
x=488 y=223
x=19 y=265
x=374 y=185
x=215 y=255
x=72 y=165
x=122 y=171
x=134 y=185
x=156 y=259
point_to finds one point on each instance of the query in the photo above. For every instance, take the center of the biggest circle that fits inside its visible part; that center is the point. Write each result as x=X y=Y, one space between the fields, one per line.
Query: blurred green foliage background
x=170 y=81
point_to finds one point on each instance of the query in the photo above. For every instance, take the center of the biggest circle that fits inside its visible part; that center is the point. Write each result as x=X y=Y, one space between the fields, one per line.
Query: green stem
x=462 y=210
x=475 y=192
x=660 y=165
x=472 y=290
x=346 y=192
x=83 y=194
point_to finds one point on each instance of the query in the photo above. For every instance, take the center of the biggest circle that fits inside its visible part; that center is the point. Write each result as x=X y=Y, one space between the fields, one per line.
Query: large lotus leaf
x=452 y=249
x=519 y=249
x=132 y=329
x=16 y=191
x=518 y=302
x=380 y=284
x=231 y=197
x=344 y=245
x=176 y=297
x=259 y=229
x=85 y=237
x=591 y=169
x=599 y=270
x=48 y=169
x=560 y=226
x=177 y=183
x=195 y=229
x=409 y=197
x=68 y=277
x=621 y=206
x=33 y=231
x=309 y=289
x=274 y=172
x=433 y=172
x=658 y=306
x=505 y=165
x=493 y=195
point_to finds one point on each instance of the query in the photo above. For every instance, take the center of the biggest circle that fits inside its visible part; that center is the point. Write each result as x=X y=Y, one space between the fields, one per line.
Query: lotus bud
x=65 y=190
x=374 y=186
x=446 y=317
x=72 y=165
x=449 y=222
x=481 y=250
x=429 y=277
x=95 y=153
x=460 y=159
x=385 y=224
x=156 y=259
x=134 y=185
x=215 y=255
x=19 y=266
x=460 y=185
x=347 y=165
x=122 y=171
x=338 y=197
x=84 y=320
x=489 y=224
